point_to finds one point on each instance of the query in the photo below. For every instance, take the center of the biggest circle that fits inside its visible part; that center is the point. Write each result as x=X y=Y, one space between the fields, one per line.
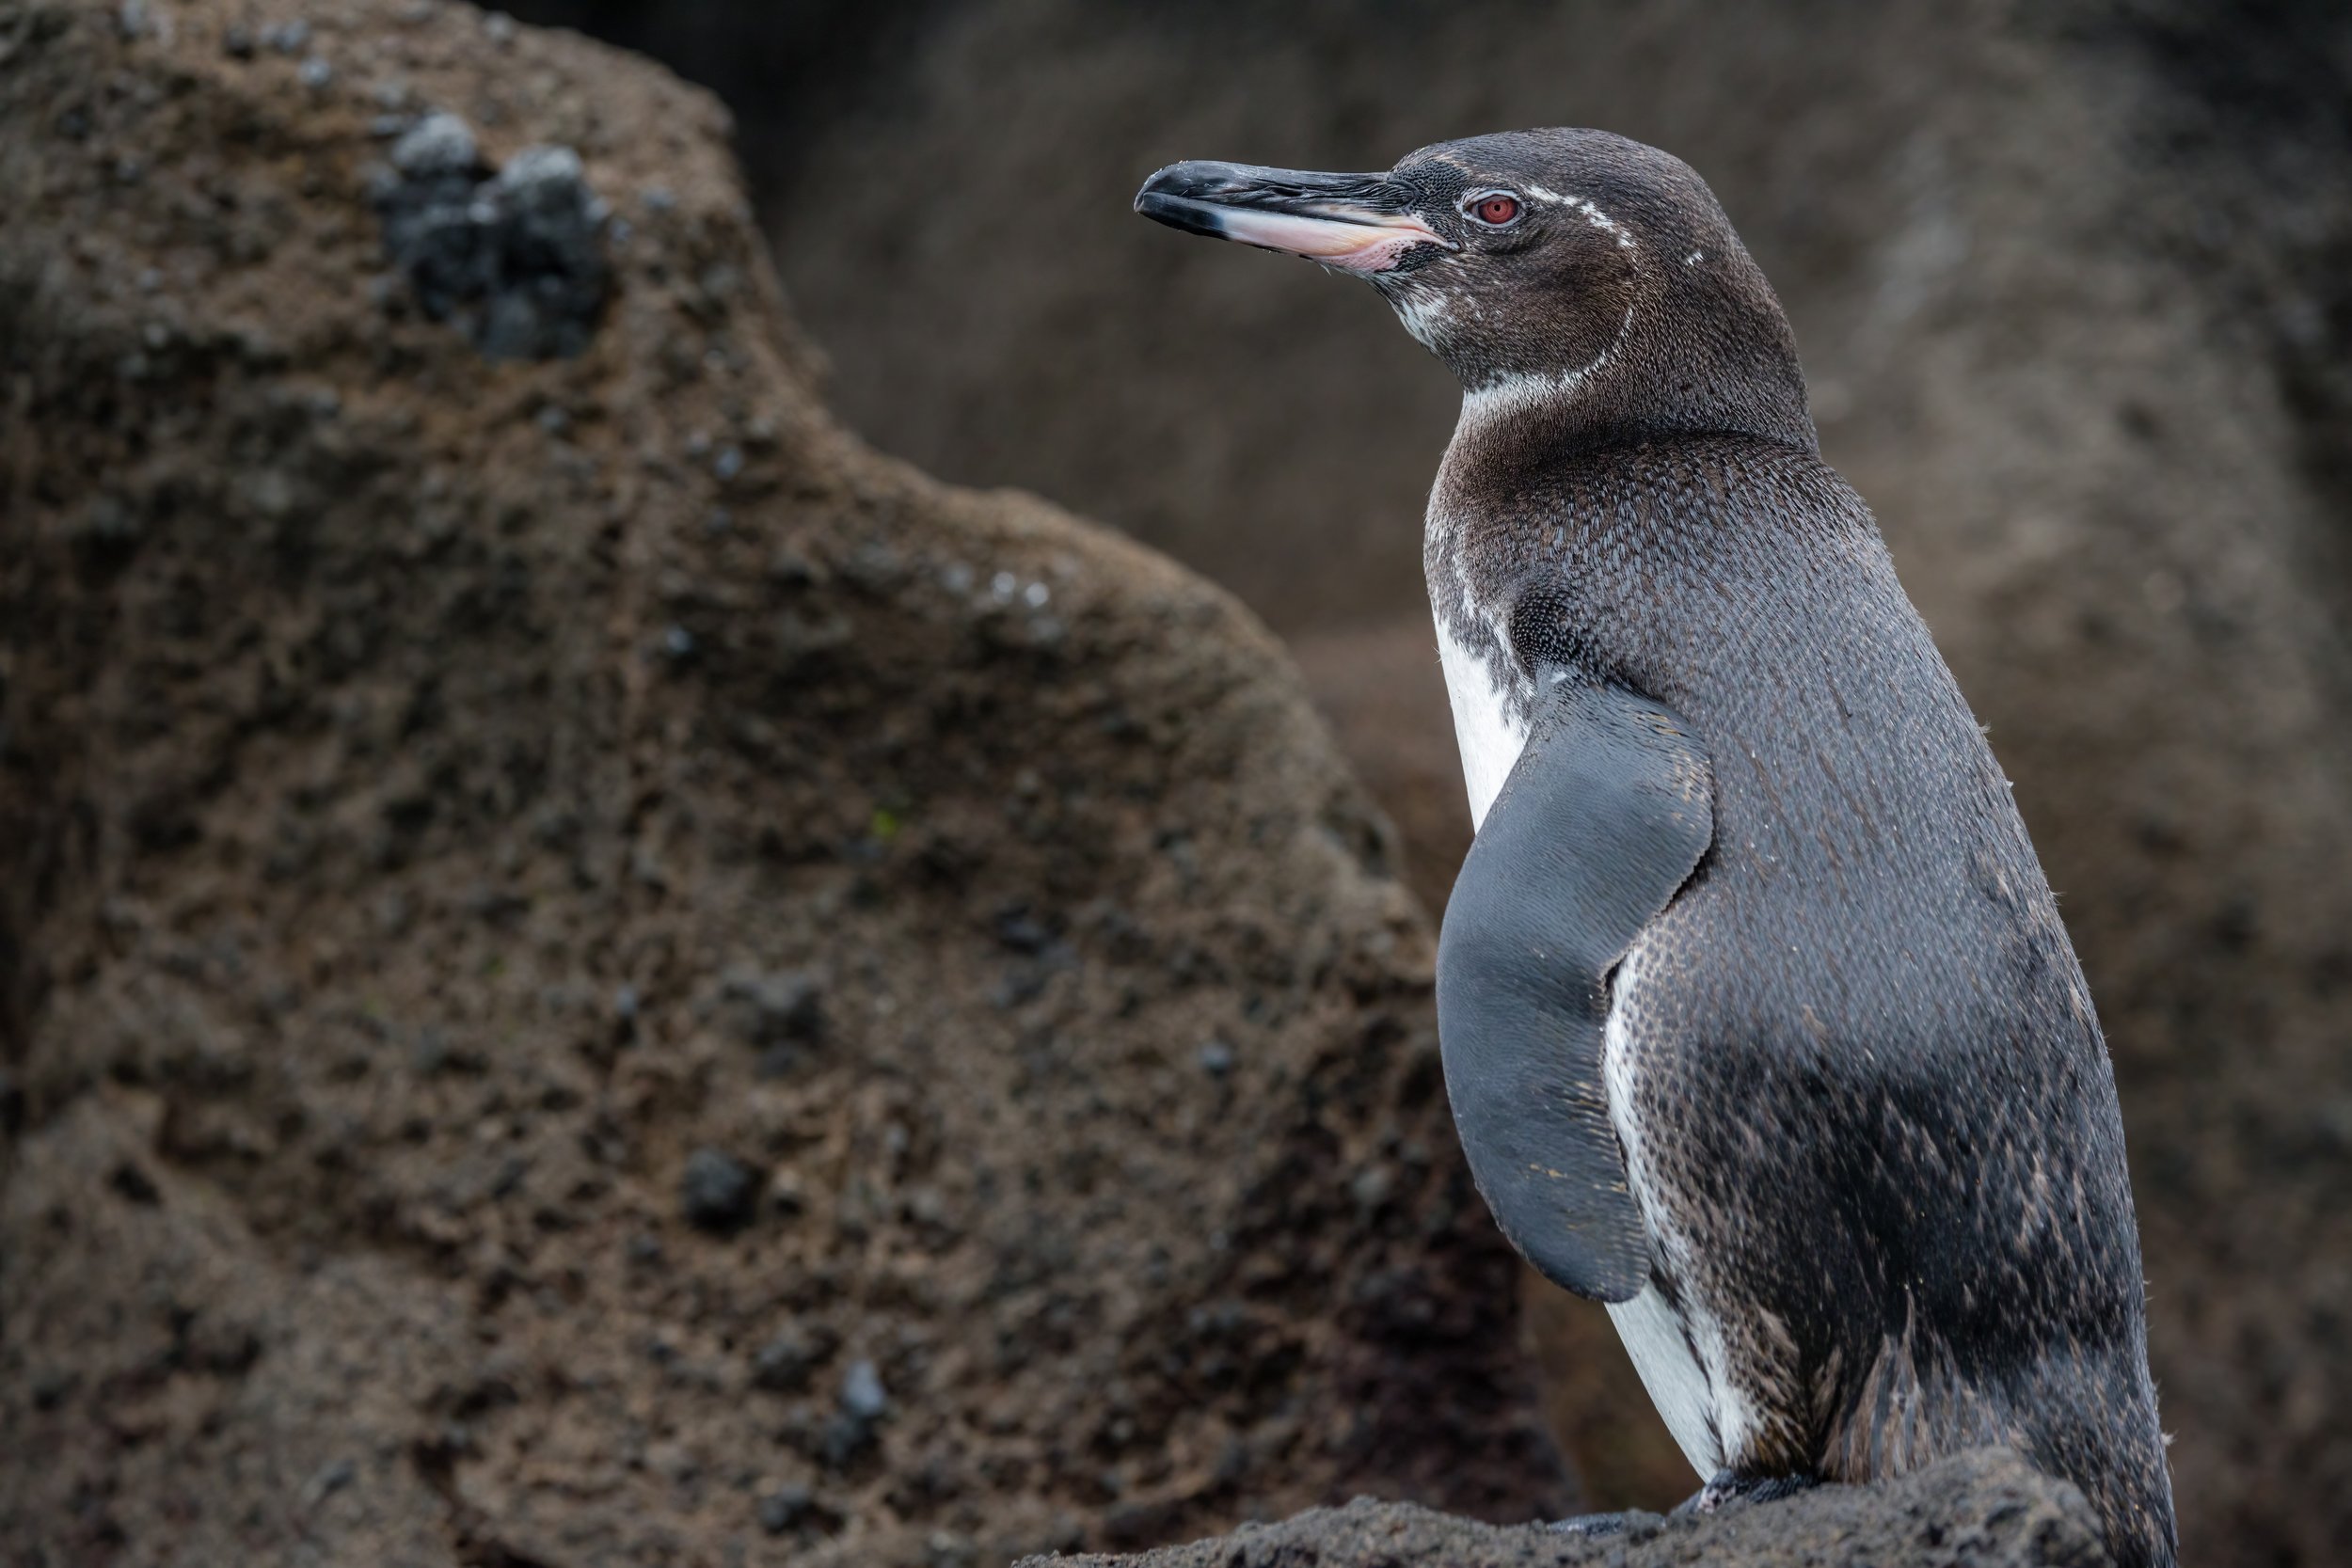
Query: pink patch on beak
x=1367 y=245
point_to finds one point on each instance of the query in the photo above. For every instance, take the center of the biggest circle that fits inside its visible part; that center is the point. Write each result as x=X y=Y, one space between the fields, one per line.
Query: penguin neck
x=1517 y=430
x=1514 y=430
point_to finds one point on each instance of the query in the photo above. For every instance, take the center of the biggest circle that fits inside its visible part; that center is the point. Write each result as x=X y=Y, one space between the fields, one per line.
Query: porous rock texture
x=1984 y=1509
x=591 y=972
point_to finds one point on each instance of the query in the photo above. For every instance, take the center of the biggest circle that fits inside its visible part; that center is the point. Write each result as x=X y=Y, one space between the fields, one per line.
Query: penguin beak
x=1359 y=223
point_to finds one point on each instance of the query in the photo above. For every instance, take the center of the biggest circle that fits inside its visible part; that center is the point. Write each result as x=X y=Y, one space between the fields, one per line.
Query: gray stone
x=440 y=143
x=862 y=1393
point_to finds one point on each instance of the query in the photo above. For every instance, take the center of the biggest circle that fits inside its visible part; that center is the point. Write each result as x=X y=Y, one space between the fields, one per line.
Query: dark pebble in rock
x=328 y=1480
x=862 y=1393
x=1022 y=932
x=1020 y=986
x=50 y=1389
x=777 y=1007
x=845 y=1437
x=1217 y=1058
x=719 y=1193
x=515 y=260
x=783 y=1364
x=787 y=1506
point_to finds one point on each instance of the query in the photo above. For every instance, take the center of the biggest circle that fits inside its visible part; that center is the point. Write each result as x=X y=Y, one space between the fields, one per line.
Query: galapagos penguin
x=1758 y=1017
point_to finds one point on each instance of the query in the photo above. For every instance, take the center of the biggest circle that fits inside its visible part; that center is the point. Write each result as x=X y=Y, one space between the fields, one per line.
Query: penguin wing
x=1601 y=821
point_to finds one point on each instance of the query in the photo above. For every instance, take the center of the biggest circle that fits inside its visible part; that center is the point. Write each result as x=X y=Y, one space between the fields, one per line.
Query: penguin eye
x=1495 y=209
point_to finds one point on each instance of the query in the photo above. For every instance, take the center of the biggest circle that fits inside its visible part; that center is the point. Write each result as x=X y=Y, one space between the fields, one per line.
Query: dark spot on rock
x=719 y=1191
x=50 y=1388
x=844 y=1439
x=774 y=1009
x=784 y=1363
x=783 y=1508
x=515 y=259
x=1021 y=931
x=135 y=1185
x=328 y=1480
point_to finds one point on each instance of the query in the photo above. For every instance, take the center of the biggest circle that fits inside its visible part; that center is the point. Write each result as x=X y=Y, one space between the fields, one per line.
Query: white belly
x=1672 y=1375
x=1680 y=1354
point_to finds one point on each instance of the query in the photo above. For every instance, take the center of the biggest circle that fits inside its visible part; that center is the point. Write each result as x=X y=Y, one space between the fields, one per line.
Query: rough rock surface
x=2071 y=281
x=1979 y=1510
x=591 y=973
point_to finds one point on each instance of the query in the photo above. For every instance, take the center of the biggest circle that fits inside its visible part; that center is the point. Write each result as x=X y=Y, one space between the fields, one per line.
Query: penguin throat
x=1510 y=393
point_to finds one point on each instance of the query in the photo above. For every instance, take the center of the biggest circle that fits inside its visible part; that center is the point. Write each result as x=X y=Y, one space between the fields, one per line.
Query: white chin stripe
x=1367 y=247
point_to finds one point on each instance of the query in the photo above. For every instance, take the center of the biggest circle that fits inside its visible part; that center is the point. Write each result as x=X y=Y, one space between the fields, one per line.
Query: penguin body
x=1758 y=1019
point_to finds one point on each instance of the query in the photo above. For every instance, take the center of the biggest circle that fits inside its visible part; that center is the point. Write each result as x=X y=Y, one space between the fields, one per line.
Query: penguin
x=1758 y=1017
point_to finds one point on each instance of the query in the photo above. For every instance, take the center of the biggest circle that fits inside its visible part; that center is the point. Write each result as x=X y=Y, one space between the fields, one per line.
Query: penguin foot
x=1732 y=1487
x=1635 y=1522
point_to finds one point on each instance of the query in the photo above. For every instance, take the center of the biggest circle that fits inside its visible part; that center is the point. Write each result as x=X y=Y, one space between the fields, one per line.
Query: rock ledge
x=1980 y=1510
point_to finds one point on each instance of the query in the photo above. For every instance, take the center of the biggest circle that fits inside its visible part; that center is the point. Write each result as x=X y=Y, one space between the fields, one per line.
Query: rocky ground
x=1982 y=1510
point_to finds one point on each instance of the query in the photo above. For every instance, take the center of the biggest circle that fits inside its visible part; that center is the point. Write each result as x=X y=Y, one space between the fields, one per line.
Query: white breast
x=1490 y=737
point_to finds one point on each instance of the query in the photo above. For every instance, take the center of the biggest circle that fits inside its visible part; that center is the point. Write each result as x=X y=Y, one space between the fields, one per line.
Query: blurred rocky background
x=591 y=972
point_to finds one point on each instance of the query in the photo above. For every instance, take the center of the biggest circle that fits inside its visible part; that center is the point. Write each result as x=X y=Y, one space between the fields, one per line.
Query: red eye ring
x=1495 y=209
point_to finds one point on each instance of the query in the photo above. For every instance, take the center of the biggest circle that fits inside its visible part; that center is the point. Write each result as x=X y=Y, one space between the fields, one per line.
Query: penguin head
x=1567 y=276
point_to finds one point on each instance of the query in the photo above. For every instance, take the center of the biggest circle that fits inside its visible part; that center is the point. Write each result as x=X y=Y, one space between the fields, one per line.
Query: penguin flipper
x=1603 y=819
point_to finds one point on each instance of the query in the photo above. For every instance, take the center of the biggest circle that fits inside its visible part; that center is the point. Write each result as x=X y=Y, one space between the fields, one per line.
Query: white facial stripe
x=1592 y=215
x=1370 y=245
